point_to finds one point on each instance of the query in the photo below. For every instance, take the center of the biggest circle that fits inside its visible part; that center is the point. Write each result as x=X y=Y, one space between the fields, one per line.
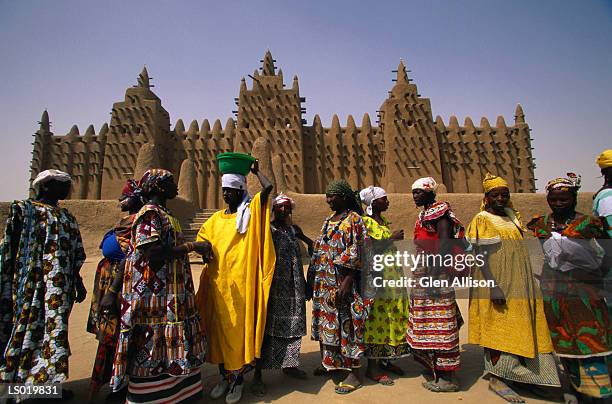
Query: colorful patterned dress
x=339 y=326
x=578 y=317
x=434 y=319
x=160 y=338
x=385 y=334
x=39 y=267
x=286 y=319
x=105 y=326
x=516 y=338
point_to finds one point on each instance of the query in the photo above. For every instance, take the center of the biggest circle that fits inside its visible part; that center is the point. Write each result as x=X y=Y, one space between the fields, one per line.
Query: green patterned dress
x=385 y=328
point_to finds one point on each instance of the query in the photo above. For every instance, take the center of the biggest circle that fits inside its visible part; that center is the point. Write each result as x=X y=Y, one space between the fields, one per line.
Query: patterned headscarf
x=491 y=181
x=152 y=178
x=49 y=175
x=569 y=184
x=343 y=188
x=425 y=184
x=369 y=195
x=339 y=187
x=131 y=190
x=283 y=199
x=605 y=159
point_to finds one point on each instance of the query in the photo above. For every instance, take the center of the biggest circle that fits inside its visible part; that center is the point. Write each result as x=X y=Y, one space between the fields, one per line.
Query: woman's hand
x=346 y=288
x=81 y=292
x=255 y=167
x=397 y=235
x=497 y=296
x=204 y=248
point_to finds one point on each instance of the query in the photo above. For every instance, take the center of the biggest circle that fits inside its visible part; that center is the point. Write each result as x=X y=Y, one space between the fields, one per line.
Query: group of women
x=155 y=332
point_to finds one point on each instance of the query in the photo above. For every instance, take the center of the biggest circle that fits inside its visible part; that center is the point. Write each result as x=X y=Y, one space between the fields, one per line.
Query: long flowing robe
x=286 y=320
x=160 y=326
x=39 y=268
x=234 y=287
x=516 y=339
x=105 y=326
x=578 y=317
x=385 y=327
x=339 y=326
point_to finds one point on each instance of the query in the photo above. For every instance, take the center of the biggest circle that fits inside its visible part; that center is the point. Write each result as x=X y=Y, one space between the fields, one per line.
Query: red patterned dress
x=339 y=327
x=434 y=318
x=161 y=346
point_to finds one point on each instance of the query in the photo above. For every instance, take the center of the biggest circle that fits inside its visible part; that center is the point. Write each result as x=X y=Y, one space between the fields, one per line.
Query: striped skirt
x=164 y=388
x=433 y=328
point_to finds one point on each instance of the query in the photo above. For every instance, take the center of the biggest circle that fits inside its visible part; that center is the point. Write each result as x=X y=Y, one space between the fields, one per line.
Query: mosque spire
x=144 y=79
x=268 y=64
x=402 y=76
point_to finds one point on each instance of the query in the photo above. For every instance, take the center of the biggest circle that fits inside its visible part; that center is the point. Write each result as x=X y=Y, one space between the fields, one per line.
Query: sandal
x=391 y=368
x=383 y=379
x=508 y=395
x=437 y=388
x=345 y=388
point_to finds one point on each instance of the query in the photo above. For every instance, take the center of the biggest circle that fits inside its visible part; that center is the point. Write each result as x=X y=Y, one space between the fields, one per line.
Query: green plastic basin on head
x=235 y=163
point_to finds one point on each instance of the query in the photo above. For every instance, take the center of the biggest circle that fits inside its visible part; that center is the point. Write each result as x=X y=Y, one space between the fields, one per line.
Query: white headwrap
x=369 y=195
x=235 y=181
x=425 y=184
x=243 y=214
x=282 y=198
x=49 y=175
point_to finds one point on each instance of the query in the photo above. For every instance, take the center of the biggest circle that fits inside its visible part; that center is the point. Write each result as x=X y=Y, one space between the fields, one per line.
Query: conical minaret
x=268 y=68
x=144 y=79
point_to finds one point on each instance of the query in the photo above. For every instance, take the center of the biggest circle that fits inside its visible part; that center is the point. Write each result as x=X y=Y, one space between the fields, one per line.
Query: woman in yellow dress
x=385 y=327
x=508 y=320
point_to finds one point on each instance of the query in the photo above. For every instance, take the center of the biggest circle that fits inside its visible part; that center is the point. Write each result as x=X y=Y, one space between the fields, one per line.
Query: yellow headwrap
x=605 y=159
x=493 y=181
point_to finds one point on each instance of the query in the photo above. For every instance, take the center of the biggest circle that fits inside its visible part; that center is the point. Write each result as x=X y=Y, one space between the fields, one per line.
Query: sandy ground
x=474 y=389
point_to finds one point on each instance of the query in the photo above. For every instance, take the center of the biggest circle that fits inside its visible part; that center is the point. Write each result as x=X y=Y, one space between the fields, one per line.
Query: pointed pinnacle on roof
x=402 y=76
x=519 y=115
x=267 y=68
x=44 y=121
x=144 y=79
x=295 y=85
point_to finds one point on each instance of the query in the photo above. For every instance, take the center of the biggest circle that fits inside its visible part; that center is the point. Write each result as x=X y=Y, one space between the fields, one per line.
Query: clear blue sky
x=471 y=58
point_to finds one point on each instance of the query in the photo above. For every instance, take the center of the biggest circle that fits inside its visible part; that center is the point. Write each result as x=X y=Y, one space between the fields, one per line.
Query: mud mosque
x=405 y=143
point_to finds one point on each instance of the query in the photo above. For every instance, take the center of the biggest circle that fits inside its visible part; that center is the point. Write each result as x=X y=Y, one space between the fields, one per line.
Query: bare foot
x=500 y=388
x=348 y=385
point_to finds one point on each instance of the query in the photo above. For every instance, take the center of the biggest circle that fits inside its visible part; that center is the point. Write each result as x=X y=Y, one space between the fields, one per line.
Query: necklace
x=555 y=225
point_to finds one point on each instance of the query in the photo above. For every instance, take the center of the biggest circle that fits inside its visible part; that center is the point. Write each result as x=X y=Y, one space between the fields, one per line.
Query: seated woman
x=572 y=286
